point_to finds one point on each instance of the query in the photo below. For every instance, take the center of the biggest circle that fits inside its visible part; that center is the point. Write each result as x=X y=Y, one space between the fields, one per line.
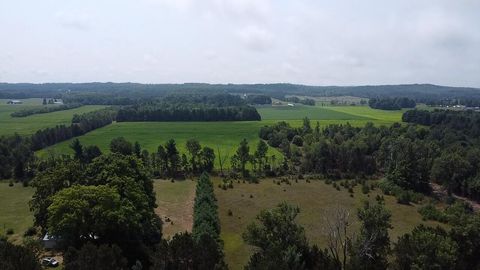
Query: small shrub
x=365 y=189
x=10 y=184
x=350 y=190
x=173 y=180
x=430 y=212
x=230 y=213
x=31 y=231
x=351 y=195
x=404 y=198
x=328 y=181
x=10 y=231
x=251 y=196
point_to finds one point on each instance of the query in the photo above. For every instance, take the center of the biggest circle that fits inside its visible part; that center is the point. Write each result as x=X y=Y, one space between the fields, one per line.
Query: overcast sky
x=313 y=42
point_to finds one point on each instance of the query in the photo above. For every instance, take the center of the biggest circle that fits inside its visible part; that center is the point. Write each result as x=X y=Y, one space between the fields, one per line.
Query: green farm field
x=315 y=200
x=225 y=135
x=30 y=124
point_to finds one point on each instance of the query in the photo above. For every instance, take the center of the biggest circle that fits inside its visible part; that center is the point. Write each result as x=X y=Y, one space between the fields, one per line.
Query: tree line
x=186 y=113
x=17 y=152
x=258 y=99
x=396 y=103
x=49 y=109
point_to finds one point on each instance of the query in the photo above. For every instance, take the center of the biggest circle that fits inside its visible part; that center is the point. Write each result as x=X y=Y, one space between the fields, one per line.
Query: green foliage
x=85 y=213
x=281 y=243
x=206 y=224
x=121 y=146
x=92 y=257
x=14 y=257
x=425 y=248
x=370 y=250
x=430 y=212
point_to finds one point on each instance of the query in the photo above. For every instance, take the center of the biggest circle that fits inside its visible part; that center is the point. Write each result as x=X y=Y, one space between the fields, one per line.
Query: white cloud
x=74 y=20
x=256 y=39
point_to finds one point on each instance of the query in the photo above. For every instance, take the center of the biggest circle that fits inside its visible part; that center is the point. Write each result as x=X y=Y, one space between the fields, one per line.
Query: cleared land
x=315 y=199
x=30 y=124
x=175 y=202
x=226 y=135
x=14 y=210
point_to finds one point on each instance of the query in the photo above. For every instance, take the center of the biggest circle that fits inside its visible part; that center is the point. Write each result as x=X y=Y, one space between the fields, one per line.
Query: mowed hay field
x=30 y=124
x=315 y=200
x=355 y=115
x=175 y=202
x=14 y=210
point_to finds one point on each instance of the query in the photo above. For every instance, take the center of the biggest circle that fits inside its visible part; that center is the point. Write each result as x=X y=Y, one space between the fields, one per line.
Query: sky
x=314 y=42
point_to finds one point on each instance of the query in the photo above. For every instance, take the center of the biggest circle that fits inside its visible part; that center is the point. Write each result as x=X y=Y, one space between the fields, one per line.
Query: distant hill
x=419 y=92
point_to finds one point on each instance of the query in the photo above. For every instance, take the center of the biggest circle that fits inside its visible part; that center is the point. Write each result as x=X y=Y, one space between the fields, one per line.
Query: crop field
x=175 y=202
x=342 y=114
x=14 y=210
x=226 y=135
x=30 y=124
x=315 y=200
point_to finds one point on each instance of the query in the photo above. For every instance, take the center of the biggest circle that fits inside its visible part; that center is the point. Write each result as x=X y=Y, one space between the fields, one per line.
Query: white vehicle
x=48 y=261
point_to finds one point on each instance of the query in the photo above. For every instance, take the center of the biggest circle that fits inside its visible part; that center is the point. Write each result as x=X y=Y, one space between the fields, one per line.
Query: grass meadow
x=30 y=124
x=175 y=202
x=315 y=200
x=14 y=210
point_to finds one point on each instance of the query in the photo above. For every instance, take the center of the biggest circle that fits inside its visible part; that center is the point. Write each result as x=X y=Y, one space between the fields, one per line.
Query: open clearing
x=14 y=210
x=30 y=124
x=175 y=201
x=315 y=199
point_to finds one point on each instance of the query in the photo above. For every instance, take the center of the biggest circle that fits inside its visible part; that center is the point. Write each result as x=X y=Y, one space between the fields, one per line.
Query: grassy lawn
x=314 y=199
x=30 y=124
x=175 y=201
x=14 y=210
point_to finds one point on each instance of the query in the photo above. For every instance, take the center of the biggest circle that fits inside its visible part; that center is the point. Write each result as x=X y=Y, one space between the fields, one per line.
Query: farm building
x=14 y=101
x=291 y=104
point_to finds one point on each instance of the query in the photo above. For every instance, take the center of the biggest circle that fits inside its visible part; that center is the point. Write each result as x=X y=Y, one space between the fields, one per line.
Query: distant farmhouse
x=14 y=101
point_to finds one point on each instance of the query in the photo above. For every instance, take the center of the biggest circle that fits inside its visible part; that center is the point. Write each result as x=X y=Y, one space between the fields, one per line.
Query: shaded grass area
x=14 y=210
x=30 y=124
x=315 y=200
x=175 y=201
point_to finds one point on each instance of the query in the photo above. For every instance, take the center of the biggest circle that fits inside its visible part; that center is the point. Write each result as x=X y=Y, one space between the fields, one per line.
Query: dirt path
x=441 y=192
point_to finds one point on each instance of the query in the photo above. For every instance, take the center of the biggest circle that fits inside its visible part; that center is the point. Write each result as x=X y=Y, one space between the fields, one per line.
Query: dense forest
x=391 y=103
x=130 y=93
x=213 y=107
